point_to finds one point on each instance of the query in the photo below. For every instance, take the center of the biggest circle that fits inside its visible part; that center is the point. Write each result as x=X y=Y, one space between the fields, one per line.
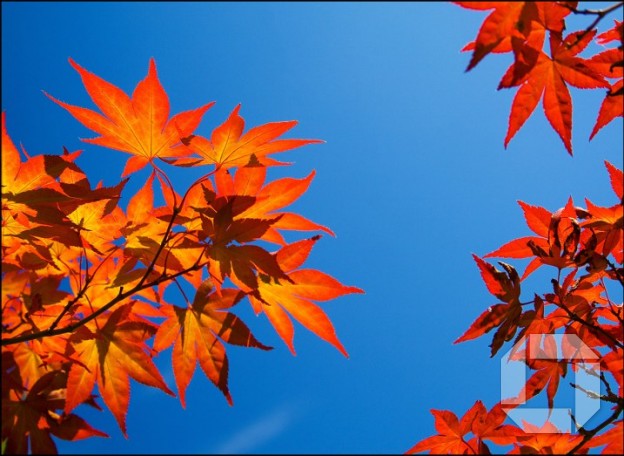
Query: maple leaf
x=268 y=200
x=616 y=33
x=546 y=439
x=29 y=422
x=513 y=25
x=196 y=333
x=534 y=321
x=614 y=363
x=139 y=125
x=508 y=20
x=556 y=243
x=98 y=229
x=220 y=229
x=109 y=350
x=505 y=286
x=145 y=228
x=611 y=107
x=483 y=424
x=613 y=439
x=548 y=77
x=610 y=64
x=617 y=180
x=606 y=225
x=488 y=425
x=450 y=437
x=296 y=296
x=228 y=147
x=547 y=365
x=28 y=184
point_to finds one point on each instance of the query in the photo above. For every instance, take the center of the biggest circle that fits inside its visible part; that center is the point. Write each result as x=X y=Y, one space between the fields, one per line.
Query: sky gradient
x=412 y=178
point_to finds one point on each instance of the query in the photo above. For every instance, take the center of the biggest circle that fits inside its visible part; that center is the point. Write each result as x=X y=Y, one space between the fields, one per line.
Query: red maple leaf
x=548 y=76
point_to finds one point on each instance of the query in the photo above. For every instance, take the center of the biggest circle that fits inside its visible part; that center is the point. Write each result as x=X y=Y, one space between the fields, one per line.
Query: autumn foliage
x=84 y=279
x=581 y=244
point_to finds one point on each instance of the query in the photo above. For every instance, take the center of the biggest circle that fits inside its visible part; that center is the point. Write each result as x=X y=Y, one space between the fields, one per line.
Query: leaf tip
x=152 y=74
x=75 y=65
x=356 y=290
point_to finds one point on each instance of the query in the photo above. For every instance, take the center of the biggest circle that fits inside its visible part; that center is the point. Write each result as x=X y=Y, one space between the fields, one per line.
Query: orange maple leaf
x=30 y=421
x=139 y=126
x=228 y=147
x=296 y=296
x=109 y=350
x=196 y=333
x=269 y=199
x=31 y=182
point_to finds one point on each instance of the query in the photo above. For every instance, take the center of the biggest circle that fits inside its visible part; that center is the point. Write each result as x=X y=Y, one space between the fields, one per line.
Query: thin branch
x=161 y=174
x=600 y=15
x=120 y=297
x=610 y=393
x=594 y=395
x=590 y=12
x=82 y=290
x=617 y=273
x=182 y=291
x=615 y=313
x=589 y=324
x=588 y=435
x=165 y=239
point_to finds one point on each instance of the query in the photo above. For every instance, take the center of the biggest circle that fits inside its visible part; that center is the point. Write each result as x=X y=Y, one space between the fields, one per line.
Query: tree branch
x=588 y=435
x=120 y=297
x=141 y=285
x=600 y=15
x=589 y=324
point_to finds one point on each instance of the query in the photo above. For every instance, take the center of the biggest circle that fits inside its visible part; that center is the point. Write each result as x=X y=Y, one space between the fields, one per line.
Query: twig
x=588 y=435
x=120 y=297
x=600 y=14
x=589 y=324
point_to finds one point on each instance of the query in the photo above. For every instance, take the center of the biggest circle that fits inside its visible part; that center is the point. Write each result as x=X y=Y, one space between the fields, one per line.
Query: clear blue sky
x=413 y=178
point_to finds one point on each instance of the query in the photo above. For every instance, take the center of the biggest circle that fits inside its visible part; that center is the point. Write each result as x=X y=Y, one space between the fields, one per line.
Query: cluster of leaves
x=583 y=244
x=521 y=28
x=84 y=280
x=572 y=240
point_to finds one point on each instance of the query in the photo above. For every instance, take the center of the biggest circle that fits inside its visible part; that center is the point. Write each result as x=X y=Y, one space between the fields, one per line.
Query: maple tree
x=84 y=278
x=583 y=244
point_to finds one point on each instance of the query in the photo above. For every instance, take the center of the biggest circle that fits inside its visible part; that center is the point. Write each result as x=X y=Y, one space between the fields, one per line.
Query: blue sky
x=413 y=178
